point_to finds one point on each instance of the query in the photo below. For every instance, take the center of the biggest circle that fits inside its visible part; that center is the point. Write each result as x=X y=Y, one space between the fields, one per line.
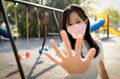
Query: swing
x=27 y=54
x=58 y=26
x=38 y=23
x=46 y=24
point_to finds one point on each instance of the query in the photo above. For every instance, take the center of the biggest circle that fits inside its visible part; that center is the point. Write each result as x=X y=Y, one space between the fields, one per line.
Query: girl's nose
x=76 y=25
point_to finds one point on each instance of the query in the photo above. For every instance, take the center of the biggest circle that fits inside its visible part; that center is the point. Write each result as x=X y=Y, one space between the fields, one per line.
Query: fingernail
x=62 y=32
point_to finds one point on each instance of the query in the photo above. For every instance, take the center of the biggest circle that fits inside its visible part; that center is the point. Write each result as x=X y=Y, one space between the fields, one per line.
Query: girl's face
x=76 y=26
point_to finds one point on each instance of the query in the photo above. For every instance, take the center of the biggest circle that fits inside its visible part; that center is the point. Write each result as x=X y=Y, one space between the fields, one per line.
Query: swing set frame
x=9 y=32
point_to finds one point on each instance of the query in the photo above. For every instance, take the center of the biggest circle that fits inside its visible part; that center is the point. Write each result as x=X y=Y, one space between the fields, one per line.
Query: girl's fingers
x=66 y=42
x=91 y=54
x=52 y=58
x=57 y=51
x=78 y=45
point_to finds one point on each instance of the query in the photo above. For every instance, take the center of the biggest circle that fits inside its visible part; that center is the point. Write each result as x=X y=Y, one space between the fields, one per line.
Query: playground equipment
x=38 y=20
x=106 y=26
x=27 y=54
x=113 y=31
x=99 y=23
x=27 y=27
x=4 y=33
x=17 y=57
x=46 y=26
x=11 y=39
x=102 y=23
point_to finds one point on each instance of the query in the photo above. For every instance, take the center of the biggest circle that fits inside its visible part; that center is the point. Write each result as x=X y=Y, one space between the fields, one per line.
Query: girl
x=79 y=54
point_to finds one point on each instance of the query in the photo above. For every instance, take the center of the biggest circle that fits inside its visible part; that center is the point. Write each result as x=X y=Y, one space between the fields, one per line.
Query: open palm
x=72 y=63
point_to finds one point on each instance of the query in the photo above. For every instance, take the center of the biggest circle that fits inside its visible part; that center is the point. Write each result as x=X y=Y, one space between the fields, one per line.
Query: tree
x=114 y=16
x=61 y=4
x=90 y=11
x=21 y=17
x=21 y=14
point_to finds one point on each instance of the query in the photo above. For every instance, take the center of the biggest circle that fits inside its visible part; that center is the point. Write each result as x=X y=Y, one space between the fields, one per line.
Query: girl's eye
x=69 y=24
x=78 y=22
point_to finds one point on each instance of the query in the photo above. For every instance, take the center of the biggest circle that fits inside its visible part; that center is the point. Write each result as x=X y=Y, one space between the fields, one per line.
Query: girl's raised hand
x=72 y=63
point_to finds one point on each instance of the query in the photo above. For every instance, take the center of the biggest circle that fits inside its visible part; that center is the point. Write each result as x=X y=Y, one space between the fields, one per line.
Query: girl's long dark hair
x=83 y=16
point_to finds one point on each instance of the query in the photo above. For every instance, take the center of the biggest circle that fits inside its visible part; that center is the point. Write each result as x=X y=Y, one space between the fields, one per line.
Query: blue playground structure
x=4 y=33
x=95 y=26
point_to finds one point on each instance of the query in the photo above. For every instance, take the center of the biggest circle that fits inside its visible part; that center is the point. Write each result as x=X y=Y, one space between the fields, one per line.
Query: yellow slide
x=113 y=31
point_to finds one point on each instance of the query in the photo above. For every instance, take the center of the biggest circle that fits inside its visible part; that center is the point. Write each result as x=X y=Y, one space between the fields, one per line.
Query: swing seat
x=44 y=50
x=40 y=52
x=27 y=55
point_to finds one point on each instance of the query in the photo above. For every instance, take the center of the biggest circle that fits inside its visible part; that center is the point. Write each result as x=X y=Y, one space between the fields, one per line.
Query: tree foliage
x=61 y=4
x=33 y=29
x=114 y=16
x=21 y=15
x=114 y=13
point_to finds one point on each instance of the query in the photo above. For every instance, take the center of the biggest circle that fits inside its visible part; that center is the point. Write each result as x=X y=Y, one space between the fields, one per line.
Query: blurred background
x=92 y=7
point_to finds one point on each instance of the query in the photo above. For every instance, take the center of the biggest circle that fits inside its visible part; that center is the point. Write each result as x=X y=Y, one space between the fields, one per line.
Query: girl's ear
x=86 y=21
